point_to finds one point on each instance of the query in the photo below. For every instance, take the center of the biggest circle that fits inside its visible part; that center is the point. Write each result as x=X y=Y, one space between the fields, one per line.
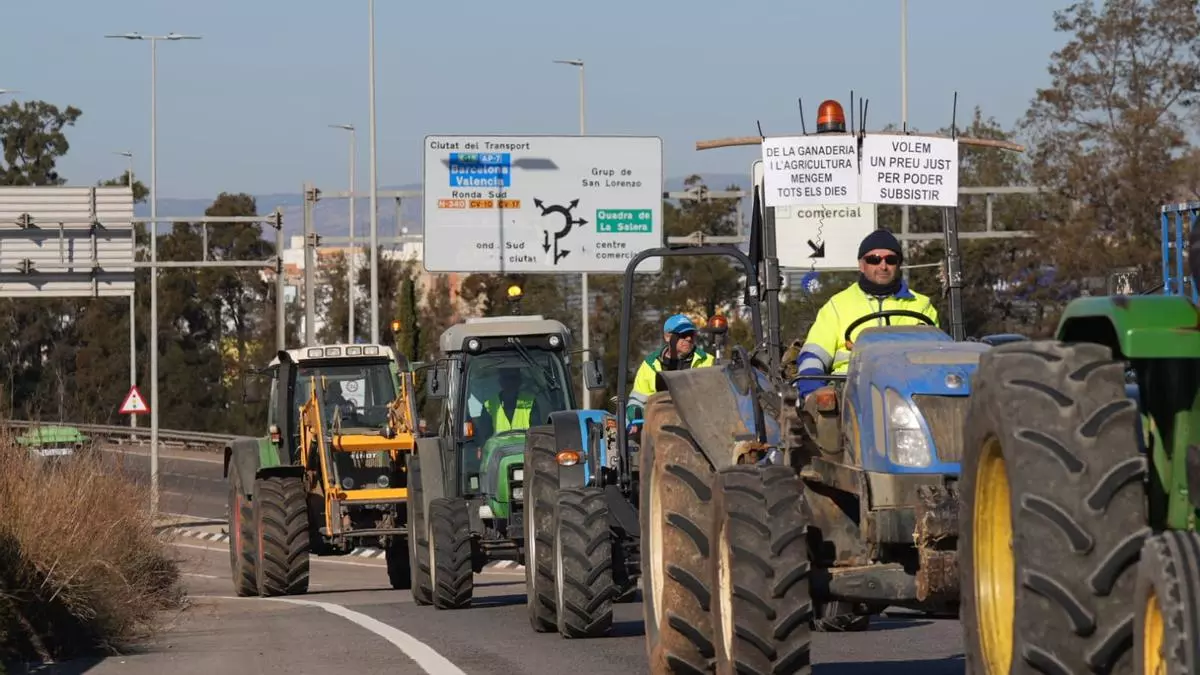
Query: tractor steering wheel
x=886 y=313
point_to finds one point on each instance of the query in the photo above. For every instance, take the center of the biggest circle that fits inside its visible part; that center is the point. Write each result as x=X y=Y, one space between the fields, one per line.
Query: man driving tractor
x=511 y=408
x=679 y=352
x=879 y=289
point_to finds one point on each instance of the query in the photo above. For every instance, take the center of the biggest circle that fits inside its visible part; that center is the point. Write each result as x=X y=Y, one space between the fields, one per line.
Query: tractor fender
x=433 y=472
x=242 y=456
x=1138 y=327
x=569 y=435
x=717 y=408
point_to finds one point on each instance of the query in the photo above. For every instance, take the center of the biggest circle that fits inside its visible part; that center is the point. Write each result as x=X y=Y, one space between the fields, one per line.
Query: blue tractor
x=763 y=519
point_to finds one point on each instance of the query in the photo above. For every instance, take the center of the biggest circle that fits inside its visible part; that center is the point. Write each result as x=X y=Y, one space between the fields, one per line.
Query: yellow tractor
x=331 y=476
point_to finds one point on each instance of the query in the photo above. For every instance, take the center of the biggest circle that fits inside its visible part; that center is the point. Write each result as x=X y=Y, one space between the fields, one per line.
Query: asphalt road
x=379 y=629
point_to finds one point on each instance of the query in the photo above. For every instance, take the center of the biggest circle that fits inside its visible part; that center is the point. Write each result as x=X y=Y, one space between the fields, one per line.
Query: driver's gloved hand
x=806 y=387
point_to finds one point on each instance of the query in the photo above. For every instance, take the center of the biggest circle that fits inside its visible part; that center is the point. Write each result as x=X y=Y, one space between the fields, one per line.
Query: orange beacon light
x=830 y=117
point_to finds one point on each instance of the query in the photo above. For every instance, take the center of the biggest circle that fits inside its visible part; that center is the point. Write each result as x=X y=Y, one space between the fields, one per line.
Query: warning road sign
x=134 y=403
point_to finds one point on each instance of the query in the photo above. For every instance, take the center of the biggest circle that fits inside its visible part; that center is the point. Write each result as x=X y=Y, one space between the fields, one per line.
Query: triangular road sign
x=134 y=403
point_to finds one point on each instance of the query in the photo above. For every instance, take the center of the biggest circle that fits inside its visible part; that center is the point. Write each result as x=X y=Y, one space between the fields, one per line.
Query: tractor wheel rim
x=995 y=568
x=1152 y=638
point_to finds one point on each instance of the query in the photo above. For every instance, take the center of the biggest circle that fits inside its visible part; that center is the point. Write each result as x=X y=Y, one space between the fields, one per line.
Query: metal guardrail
x=127 y=434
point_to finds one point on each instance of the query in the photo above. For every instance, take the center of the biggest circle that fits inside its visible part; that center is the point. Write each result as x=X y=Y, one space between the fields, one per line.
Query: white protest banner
x=913 y=170
x=810 y=170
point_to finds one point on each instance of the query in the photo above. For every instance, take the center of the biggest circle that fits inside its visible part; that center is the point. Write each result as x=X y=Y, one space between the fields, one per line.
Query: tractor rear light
x=276 y=437
x=567 y=458
x=468 y=429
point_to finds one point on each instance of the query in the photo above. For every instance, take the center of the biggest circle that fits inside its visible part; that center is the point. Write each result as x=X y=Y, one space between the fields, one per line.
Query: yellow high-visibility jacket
x=521 y=413
x=825 y=350
x=644 y=383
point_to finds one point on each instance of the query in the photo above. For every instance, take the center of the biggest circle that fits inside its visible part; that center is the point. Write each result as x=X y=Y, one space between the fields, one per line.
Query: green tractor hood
x=502 y=468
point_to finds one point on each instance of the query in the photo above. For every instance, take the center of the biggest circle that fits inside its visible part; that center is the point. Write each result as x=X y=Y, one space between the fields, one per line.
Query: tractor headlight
x=518 y=494
x=908 y=444
x=518 y=474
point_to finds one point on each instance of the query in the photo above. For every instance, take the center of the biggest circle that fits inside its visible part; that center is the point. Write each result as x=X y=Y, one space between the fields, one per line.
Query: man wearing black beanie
x=879 y=288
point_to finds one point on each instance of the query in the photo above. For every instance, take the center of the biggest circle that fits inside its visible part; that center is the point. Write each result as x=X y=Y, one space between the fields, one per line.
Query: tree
x=34 y=141
x=1109 y=134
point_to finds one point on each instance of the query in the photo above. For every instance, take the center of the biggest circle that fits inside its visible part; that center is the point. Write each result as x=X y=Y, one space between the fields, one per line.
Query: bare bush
x=82 y=569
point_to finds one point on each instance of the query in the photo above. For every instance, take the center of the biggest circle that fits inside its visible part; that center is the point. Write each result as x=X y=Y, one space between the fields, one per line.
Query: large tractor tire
x=541 y=494
x=281 y=518
x=450 y=553
x=583 y=563
x=1166 y=635
x=421 y=582
x=242 y=540
x=675 y=502
x=399 y=563
x=1054 y=512
x=761 y=606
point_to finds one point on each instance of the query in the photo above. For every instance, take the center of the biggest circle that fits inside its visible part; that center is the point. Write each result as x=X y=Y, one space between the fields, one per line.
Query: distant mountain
x=332 y=216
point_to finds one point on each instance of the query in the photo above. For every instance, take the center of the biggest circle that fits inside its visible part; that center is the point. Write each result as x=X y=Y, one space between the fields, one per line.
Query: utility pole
x=904 y=213
x=352 y=261
x=585 y=395
x=154 y=40
x=374 y=185
x=132 y=304
x=311 y=196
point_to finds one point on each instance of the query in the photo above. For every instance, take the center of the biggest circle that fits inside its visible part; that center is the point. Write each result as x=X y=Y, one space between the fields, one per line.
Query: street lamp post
x=585 y=394
x=128 y=155
x=351 y=264
x=374 y=182
x=154 y=40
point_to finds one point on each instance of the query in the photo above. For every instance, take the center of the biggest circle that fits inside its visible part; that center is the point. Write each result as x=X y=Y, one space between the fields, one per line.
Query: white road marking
x=225 y=550
x=202 y=576
x=425 y=656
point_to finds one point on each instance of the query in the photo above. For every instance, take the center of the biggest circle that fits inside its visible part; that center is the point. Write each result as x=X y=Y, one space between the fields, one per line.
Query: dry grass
x=81 y=567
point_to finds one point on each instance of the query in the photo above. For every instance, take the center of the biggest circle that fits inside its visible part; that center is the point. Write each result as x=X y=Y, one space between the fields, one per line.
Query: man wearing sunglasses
x=679 y=352
x=879 y=288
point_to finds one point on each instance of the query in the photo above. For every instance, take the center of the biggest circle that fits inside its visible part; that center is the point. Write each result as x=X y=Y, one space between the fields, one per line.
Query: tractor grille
x=364 y=470
x=945 y=416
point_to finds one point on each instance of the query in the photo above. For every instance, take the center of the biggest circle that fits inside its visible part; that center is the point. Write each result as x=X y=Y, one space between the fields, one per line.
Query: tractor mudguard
x=715 y=405
x=433 y=473
x=568 y=435
x=243 y=456
x=1137 y=327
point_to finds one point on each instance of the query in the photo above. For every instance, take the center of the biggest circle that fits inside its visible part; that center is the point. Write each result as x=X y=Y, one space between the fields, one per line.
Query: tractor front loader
x=1081 y=488
x=331 y=475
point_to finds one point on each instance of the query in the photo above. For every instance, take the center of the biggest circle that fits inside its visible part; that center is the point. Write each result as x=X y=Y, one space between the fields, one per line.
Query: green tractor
x=1080 y=488
x=496 y=377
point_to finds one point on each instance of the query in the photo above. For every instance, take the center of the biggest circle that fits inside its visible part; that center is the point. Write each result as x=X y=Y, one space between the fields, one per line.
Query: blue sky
x=246 y=107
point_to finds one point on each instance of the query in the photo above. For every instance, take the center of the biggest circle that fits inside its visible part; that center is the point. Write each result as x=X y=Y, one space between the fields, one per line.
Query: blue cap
x=679 y=324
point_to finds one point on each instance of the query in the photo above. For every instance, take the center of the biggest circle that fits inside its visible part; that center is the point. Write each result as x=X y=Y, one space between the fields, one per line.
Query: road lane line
x=425 y=656
x=314 y=559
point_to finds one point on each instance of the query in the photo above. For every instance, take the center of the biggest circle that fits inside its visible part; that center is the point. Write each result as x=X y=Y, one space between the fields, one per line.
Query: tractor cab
x=498 y=376
x=505 y=391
